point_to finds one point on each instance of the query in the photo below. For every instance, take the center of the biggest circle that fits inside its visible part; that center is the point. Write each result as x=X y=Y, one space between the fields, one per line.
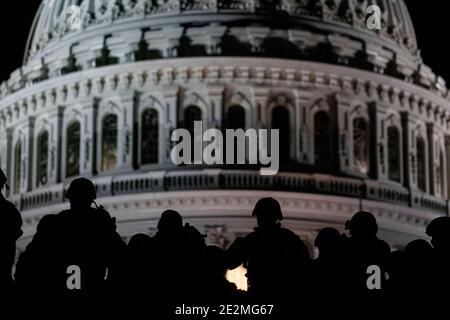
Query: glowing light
x=238 y=277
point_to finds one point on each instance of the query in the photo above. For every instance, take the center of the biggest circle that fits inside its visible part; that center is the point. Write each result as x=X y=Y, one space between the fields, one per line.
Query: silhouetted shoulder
x=10 y=220
x=382 y=247
x=9 y=206
x=47 y=221
x=289 y=234
x=295 y=241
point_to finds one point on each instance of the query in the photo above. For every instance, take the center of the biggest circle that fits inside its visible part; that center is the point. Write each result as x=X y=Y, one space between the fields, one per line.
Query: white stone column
x=303 y=130
x=3 y=150
x=345 y=134
x=171 y=102
x=215 y=96
x=447 y=165
x=126 y=128
x=261 y=107
x=24 y=134
x=55 y=139
x=8 y=157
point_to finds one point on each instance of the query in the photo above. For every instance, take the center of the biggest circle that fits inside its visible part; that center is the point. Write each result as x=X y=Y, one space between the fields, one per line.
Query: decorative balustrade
x=160 y=181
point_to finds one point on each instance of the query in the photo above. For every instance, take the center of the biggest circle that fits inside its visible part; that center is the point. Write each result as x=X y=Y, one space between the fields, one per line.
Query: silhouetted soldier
x=141 y=290
x=439 y=231
x=364 y=249
x=179 y=251
x=276 y=258
x=418 y=255
x=140 y=253
x=328 y=268
x=10 y=231
x=75 y=253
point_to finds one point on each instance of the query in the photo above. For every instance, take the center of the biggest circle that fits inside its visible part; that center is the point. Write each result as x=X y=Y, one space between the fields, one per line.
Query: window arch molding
x=320 y=105
x=441 y=166
x=42 y=163
x=74 y=114
x=359 y=113
x=113 y=107
x=392 y=121
x=19 y=161
x=421 y=159
x=147 y=103
x=191 y=98
x=41 y=127
x=285 y=100
x=109 y=145
x=238 y=98
x=72 y=167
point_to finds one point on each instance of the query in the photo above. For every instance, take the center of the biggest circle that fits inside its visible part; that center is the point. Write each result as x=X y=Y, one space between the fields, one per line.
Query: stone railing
x=217 y=179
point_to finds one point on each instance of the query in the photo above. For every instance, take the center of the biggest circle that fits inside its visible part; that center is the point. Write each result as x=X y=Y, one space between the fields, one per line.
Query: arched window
x=42 y=158
x=235 y=117
x=393 y=154
x=109 y=142
x=149 y=136
x=73 y=149
x=17 y=166
x=280 y=121
x=421 y=164
x=361 y=145
x=192 y=114
x=322 y=140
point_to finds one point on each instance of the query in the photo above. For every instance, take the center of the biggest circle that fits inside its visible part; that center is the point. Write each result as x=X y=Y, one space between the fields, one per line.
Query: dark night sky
x=431 y=20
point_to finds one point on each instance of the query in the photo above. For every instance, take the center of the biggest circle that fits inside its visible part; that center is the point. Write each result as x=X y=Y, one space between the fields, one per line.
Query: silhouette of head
x=81 y=193
x=439 y=231
x=362 y=224
x=170 y=222
x=267 y=212
x=419 y=251
x=139 y=243
x=3 y=180
x=327 y=239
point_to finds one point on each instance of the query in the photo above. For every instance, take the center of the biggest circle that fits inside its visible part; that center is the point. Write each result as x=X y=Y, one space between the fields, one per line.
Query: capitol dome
x=364 y=123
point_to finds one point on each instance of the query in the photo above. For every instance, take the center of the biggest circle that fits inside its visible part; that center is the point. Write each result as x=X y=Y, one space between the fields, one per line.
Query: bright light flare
x=238 y=277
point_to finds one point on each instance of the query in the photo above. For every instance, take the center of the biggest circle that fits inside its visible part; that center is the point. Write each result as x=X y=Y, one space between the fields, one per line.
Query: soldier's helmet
x=81 y=189
x=3 y=179
x=170 y=221
x=362 y=223
x=268 y=208
x=439 y=227
x=327 y=237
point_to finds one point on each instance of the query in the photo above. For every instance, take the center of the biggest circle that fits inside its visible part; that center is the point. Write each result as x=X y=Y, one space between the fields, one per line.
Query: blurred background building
x=363 y=122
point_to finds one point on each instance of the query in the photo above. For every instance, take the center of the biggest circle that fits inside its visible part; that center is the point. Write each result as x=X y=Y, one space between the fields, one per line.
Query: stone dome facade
x=363 y=122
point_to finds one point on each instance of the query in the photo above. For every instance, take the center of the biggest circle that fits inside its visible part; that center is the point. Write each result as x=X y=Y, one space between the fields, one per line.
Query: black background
x=431 y=21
